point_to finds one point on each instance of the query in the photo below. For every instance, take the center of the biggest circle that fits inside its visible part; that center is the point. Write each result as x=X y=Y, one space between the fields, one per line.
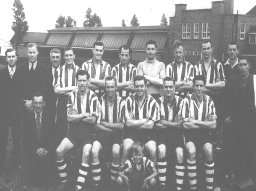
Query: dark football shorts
x=171 y=138
x=109 y=139
x=80 y=133
x=140 y=135
x=198 y=137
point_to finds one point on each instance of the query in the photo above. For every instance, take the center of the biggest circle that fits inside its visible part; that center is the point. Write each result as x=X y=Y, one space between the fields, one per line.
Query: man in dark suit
x=10 y=108
x=37 y=144
x=35 y=77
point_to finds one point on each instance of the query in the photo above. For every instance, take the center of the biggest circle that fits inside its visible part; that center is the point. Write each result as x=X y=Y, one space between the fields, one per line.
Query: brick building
x=218 y=24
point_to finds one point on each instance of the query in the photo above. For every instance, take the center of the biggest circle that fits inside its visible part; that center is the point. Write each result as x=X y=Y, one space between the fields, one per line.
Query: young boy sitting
x=138 y=172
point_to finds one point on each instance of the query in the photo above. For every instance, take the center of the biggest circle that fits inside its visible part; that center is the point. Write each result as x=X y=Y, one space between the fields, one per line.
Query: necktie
x=32 y=67
x=38 y=126
x=55 y=76
x=11 y=72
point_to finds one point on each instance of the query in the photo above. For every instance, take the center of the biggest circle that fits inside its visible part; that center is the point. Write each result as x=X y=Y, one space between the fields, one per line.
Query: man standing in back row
x=152 y=70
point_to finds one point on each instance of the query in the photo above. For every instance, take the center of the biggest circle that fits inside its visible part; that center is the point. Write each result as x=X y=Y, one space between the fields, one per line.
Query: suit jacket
x=11 y=91
x=38 y=80
x=30 y=140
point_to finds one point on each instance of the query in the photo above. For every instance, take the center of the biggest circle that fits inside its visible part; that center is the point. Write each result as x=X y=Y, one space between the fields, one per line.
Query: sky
x=41 y=15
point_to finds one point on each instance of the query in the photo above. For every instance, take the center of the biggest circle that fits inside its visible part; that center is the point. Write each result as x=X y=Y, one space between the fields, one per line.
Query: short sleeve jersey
x=124 y=75
x=205 y=111
x=181 y=72
x=147 y=110
x=113 y=113
x=215 y=72
x=67 y=76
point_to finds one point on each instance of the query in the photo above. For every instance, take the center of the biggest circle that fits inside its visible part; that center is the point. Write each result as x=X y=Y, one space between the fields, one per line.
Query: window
x=196 y=30
x=186 y=31
x=242 y=31
x=206 y=31
x=195 y=53
x=252 y=39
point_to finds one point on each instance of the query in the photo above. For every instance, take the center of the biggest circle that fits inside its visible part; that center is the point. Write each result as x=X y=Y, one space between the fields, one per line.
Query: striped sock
x=192 y=174
x=96 y=173
x=62 y=169
x=209 y=175
x=82 y=173
x=114 y=168
x=162 y=168
x=179 y=172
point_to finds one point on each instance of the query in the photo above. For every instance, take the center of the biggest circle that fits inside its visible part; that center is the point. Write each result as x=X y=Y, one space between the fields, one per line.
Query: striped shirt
x=113 y=113
x=67 y=76
x=89 y=104
x=180 y=72
x=215 y=72
x=146 y=166
x=205 y=111
x=169 y=112
x=135 y=111
x=124 y=75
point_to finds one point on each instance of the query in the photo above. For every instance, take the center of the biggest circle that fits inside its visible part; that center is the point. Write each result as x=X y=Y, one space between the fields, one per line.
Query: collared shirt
x=123 y=74
x=39 y=115
x=180 y=72
x=228 y=69
x=154 y=69
x=148 y=109
x=86 y=104
x=112 y=113
x=215 y=72
x=100 y=72
x=32 y=64
x=205 y=111
x=55 y=78
x=67 y=76
x=169 y=112
x=11 y=70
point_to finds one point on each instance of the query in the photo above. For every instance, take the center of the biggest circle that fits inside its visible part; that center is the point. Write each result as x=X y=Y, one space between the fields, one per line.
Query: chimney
x=179 y=8
x=229 y=6
x=218 y=7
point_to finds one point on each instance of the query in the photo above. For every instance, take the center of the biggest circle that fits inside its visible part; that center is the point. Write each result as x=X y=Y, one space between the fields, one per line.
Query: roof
x=252 y=11
x=36 y=37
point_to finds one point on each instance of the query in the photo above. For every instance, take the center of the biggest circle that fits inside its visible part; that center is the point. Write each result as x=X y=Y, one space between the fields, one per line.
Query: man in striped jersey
x=199 y=120
x=82 y=115
x=97 y=68
x=211 y=69
x=140 y=113
x=180 y=70
x=66 y=84
x=124 y=72
x=152 y=70
x=170 y=135
x=109 y=129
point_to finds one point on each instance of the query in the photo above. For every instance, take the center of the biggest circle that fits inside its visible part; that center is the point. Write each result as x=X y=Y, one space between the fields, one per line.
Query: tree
x=134 y=21
x=164 y=21
x=70 y=22
x=20 y=25
x=123 y=23
x=60 y=22
x=92 y=20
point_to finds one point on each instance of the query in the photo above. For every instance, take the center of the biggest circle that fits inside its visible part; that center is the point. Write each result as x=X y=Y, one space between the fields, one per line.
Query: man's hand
x=28 y=105
x=42 y=152
x=146 y=182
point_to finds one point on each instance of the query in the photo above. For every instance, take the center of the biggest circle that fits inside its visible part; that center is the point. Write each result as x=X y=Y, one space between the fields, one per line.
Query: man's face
x=232 y=51
x=124 y=56
x=199 y=87
x=32 y=54
x=82 y=83
x=110 y=87
x=55 y=59
x=243 y=67
x=98 y=52
x=140 y=88
x=151 y=51
x=69 y=56
x=179 y=54
x=11 y=58
x=38 y=104
x=169 y=88
x=207 y=50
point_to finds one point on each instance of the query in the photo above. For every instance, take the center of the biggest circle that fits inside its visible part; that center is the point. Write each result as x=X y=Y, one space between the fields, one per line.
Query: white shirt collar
x=227 y=63
x=34 y=64
x=9 y=69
